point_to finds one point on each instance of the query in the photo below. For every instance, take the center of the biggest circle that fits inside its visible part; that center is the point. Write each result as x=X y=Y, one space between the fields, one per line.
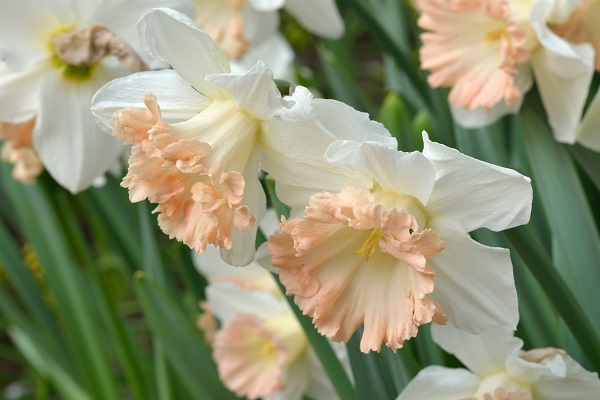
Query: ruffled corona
x=352 y=261
x=18 y=150
x=251 y=354
x=198 y=203
x=474 y=47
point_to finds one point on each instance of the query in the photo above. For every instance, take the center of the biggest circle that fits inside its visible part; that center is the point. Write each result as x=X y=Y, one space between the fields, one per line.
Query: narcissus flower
x=487 y=50
x=260 y=348
x=237 y=25
x=390 y=250
x=501 y=370
x=204 y=131
x=56 y=56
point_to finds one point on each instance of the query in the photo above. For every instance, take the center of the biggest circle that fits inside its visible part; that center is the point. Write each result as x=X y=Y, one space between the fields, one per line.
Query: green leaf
x=183 y=346
x=557 y=290
x=575 y=239
x=41 y=361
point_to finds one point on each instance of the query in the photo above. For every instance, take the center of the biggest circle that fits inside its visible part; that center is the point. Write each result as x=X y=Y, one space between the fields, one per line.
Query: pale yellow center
x=493 y=36
x=507 y=382
x=289 y=333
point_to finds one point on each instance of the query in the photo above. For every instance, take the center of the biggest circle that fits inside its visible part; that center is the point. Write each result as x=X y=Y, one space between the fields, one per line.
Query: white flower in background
x=57 y=54
x=260 y=349
x=237 y=25
x=275 y=51
x=204 y=132
x=487 y=51
x=500 y=370
x=370 y=252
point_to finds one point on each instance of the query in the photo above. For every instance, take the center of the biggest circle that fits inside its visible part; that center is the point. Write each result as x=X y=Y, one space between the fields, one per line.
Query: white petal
x=579 y=384
x=483 y=354
x=210 y=264
x=319 y=386
x=244 y=243
x=320 y=17
x=474 y=283
x=177 y=99
x=296 y=380
x=467 y=191
x=260 y=25
x=559 y=11
x=19 y=92
x=563 y=72
x=253 y=91
x=275 y=51
x=66 y=136
x=267 y=5
x=172 y=37
x=294 y=143
x=441 y=383
x=228 y=300
x=404 y=173
x=588 y=133
x=270 y=223
x=121 y=16
x=25 y=29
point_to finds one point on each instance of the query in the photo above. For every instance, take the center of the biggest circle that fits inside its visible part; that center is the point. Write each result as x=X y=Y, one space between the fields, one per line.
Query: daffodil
x=489 y=51
x=237 y=25
x=260 y=348
x=200 y=134
x=57 y=55
x=498 y=369
x=390 y=249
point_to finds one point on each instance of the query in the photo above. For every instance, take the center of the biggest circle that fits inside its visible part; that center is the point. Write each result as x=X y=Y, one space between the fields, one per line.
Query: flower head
x=55 y=57
x=390 y=251
x=500 y=370
x=201 y=133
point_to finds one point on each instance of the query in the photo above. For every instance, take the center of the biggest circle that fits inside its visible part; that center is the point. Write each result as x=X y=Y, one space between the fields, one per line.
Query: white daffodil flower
x=500 y=370
x=237 y=25
x=57 y=54
x=388 y=247
x=513 y=43
x=200 y=133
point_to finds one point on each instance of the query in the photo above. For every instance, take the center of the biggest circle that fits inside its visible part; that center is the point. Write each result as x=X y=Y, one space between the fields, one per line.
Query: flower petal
x=267 y=5
x=253 y=91
x=578 y=384
x=228 y=300
x=260 y=25
x=19 y=92
x=25 y=28
x=195 y=54
x=275 y=51
x=563 y=72
x=66 y=136
x=320 y=17
x=484 y=354
x=294 y=144
x=466 y=191
x=441 y=383
x=178 y=99
x=404 y=173
x=474 y=283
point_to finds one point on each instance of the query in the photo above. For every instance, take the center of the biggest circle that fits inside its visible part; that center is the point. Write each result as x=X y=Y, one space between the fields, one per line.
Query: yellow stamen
x=370 y=244
x=493 y=36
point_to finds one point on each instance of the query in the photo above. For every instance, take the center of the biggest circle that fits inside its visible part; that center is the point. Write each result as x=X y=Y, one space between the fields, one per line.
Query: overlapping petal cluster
x=203 y=133
x=390 y=251
x=487 y=51
x=500 y=370
x=56 y=56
